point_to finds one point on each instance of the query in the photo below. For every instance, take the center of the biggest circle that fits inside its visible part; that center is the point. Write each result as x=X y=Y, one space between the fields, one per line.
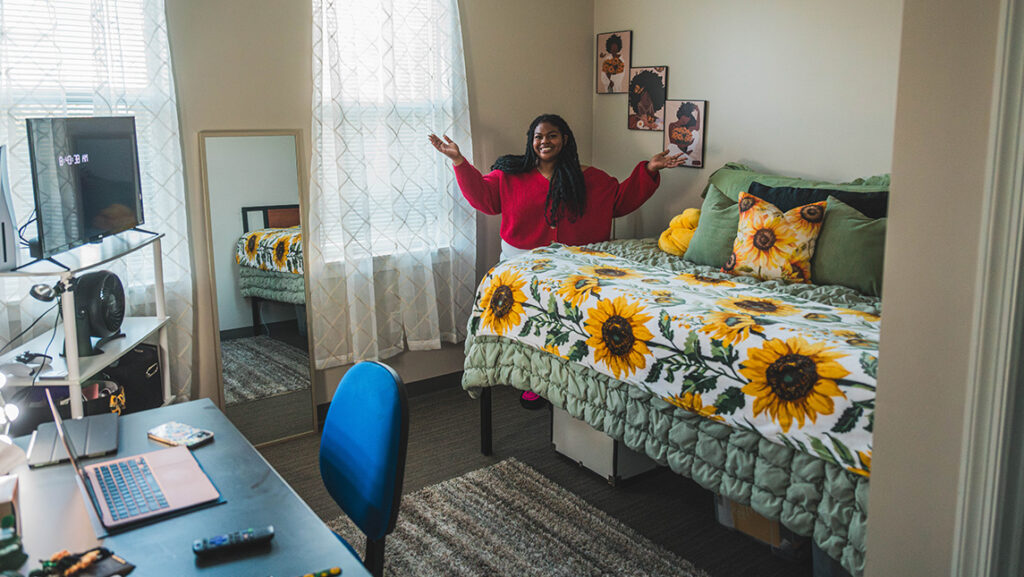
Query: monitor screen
x=85 y=172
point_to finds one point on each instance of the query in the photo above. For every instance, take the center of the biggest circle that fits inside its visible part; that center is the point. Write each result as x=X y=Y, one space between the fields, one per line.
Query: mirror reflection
x=252 y=187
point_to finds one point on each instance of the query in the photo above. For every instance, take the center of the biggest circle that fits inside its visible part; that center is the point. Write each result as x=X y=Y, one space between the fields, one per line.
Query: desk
x=54 y=515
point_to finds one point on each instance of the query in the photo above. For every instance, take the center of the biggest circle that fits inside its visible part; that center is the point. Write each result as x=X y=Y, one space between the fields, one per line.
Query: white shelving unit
x=71 y=370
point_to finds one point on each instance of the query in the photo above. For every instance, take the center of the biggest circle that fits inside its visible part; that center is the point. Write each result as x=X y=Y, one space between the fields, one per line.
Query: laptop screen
x=62 y=433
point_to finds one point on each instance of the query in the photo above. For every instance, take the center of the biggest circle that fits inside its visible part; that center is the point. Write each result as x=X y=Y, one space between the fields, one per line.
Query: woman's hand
x=663 y=160
x=448 y=148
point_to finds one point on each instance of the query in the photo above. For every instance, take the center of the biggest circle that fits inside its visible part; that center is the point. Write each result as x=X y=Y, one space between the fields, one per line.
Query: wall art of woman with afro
x=647 y=90
x=686 y=133
x=613 y=61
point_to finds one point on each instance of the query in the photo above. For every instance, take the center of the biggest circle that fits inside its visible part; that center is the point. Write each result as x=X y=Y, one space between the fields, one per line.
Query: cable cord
x=53 y=335
x=15 y=338
x=21 y=229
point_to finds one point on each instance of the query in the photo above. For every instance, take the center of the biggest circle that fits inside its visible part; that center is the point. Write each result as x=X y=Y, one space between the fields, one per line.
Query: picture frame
x=613 y=65
x=685 y=130
x=648 y=88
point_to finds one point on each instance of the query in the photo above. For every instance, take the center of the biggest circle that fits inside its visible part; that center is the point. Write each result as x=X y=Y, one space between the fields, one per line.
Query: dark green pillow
x=850 y=249
x=716 y=230
x=874 y=204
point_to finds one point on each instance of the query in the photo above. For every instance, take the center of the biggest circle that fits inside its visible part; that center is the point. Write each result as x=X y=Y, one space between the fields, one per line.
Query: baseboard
x=290 y=325
x=421 y=387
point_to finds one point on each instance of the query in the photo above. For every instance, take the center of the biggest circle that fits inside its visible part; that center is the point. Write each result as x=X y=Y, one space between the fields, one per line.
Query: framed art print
x=614 y=51
x=685 y=130
x=648 y=86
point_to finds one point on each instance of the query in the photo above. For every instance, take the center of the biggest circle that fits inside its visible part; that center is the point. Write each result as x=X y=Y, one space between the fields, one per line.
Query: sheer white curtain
x=100 y=58
x=391 y=241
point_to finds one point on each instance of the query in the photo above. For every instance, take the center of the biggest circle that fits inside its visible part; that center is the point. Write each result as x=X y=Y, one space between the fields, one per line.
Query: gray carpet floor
x=261 y=367
x=444 y=443
x=508 y=519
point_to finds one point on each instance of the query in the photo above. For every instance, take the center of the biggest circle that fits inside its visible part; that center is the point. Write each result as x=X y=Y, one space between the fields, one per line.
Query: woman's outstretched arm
x=482 y=192
x=641 y=184
x=663 y=160
x=448 y=148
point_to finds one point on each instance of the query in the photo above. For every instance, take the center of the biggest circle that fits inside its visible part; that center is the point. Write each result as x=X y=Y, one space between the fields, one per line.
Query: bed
x=270 y=258
x=761 y=391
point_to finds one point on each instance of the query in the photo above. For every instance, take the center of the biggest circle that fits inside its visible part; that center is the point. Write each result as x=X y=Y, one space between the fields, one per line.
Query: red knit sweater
x=520 y=200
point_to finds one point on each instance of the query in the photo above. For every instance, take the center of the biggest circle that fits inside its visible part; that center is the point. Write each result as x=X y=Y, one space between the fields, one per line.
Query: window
x=80 y=58
x=386 y=85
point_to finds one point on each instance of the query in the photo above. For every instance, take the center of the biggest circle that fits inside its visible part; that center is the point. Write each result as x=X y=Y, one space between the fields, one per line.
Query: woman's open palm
x=447 y=147
x=663 y=160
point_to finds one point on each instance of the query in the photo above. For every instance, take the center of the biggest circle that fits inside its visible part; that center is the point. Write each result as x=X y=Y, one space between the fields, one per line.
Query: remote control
x=232 y=541
x=325 y=573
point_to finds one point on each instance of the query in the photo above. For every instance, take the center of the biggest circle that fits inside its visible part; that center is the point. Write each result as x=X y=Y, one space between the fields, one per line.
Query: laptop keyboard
x=130 y=489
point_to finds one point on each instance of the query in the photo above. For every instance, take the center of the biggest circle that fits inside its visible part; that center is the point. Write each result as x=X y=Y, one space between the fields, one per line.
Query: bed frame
x=273 y=216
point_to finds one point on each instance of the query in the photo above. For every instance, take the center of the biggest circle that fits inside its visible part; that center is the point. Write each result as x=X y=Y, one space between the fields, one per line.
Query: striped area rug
x=508 y=519
x=260 y=367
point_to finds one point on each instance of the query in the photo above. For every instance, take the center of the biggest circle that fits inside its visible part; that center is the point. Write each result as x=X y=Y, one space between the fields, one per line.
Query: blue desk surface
x=54 y=516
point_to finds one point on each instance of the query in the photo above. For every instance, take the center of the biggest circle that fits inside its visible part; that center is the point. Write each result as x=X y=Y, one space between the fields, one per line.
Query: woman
x=545 y=196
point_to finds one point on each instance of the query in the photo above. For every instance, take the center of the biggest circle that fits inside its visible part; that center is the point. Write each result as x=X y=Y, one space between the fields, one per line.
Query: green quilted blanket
x=677 y=360
x=272 y=285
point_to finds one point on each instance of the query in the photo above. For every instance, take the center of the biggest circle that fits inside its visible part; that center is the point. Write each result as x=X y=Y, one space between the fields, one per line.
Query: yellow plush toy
x=677 y=237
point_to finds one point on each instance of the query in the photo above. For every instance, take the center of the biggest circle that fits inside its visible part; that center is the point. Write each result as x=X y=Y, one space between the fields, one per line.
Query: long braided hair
x=567 y=192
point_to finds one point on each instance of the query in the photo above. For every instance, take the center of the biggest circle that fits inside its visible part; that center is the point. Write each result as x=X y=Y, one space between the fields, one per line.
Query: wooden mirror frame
x=302 y=184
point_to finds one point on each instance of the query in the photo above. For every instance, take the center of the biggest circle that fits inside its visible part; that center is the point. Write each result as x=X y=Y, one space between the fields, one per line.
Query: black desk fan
x=99 y=308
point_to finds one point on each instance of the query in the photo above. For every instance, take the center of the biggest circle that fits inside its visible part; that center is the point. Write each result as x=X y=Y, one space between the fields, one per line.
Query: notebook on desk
x=94 y=436
x=141 y=487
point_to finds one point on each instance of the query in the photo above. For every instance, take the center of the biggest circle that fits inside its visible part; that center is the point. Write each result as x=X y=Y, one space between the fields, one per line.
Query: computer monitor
x=86 y=179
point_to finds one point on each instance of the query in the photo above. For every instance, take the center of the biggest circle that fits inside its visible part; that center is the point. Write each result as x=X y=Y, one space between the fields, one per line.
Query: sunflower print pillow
x=771 y=244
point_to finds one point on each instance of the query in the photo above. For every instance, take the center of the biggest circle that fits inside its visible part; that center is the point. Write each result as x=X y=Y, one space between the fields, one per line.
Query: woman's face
x=547 y=141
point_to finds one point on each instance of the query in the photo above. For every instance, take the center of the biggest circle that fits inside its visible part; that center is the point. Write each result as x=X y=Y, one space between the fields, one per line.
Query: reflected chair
x=362 y=452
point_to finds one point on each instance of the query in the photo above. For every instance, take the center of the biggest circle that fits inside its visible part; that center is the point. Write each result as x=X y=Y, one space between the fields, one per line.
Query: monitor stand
x=34 y=261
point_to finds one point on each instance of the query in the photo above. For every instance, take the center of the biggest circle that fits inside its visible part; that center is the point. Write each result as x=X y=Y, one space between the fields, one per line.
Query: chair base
x=373 y=560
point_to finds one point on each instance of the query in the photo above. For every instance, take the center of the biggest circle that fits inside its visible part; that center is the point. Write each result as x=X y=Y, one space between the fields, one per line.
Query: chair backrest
x=363 y=446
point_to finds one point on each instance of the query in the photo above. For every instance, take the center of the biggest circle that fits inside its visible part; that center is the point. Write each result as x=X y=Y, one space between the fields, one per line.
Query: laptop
x=140 y=487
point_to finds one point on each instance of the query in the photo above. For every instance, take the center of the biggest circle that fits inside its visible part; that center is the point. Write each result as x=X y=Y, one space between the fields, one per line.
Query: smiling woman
x=545 y=196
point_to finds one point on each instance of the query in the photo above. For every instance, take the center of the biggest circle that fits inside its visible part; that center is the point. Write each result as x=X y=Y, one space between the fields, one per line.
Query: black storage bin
x=138 y=372
x=34 y=409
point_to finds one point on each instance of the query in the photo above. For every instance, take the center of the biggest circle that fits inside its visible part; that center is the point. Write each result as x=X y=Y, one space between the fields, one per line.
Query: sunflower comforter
x=760 y=391
x=270 y=262
x=274 y=249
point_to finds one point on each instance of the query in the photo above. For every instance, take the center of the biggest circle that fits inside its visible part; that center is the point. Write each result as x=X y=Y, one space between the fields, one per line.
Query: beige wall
x=246 y=64
x=799 y=88
x=939 y=172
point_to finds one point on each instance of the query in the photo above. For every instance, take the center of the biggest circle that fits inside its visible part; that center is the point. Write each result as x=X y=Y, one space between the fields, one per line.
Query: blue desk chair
x=362 y=452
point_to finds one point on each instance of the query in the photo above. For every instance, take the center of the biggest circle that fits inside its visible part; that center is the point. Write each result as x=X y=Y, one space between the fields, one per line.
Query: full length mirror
x=252 y=191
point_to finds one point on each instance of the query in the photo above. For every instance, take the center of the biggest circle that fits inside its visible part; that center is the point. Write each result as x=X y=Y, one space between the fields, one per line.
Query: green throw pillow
x=716 y=231
x=734 y=178
x=850 y=249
